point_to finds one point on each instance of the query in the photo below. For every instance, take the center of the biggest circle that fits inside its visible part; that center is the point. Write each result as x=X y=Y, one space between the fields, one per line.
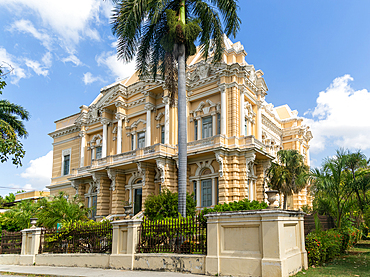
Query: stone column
x=105 y=122
x=119 y=117
x=242 y=114
x=148 y=107
x=199 y=202
x=166 y=101
x=102 y=183
x=83 y=145
x=117 y=188
x=223 y=110
x=199 y=128
x=214 y=124
x=259 y=120
x=214 y=191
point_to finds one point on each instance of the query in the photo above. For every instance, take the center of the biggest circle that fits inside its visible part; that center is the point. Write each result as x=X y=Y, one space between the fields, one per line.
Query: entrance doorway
x=138 y=198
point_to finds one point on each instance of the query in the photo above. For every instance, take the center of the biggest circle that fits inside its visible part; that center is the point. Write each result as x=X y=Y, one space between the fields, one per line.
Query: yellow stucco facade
x=122 y=147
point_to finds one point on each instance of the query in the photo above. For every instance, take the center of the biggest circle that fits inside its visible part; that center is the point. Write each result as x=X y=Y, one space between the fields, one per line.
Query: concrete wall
x=246 y=243
x=255 y=243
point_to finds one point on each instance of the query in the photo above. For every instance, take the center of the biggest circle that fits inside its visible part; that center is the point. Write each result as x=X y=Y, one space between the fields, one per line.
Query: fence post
x=124 y=243
x=30 y=245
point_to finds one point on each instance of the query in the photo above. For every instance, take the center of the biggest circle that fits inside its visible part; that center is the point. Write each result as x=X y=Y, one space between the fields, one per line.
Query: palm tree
x=332 y=182
x=11 y=128
x=355 y=163
x=289 y=174
x=162 y=33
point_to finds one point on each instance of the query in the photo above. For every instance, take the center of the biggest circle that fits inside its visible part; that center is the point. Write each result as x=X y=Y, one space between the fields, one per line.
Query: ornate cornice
x=64 y=131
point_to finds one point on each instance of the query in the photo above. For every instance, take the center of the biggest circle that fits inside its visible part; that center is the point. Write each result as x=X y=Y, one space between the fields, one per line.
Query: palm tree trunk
x=285 y=202
x=182 y=127
x=182 y=133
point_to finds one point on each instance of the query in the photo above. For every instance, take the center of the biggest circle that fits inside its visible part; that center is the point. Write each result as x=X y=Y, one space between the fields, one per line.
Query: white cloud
x=26 y=26
x=15 y=187
x=89 y=79
x=47 y=59
x=18 y=72
x=73 y=59
x=341 y=117
x=38 y=173
x=118 y=68
x=70 y=20
x=36 y=66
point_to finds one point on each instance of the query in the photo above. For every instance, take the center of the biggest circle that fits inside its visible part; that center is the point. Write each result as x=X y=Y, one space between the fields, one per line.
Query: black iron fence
x=184 y=235
x=77 y=239
x=11 y=242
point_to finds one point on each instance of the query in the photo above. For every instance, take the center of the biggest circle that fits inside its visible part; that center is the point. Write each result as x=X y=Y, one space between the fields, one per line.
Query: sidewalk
x=85 y=271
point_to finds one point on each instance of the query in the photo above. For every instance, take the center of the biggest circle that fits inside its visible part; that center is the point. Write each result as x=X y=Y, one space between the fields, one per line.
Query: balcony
x=147 y=153
x=221 y=141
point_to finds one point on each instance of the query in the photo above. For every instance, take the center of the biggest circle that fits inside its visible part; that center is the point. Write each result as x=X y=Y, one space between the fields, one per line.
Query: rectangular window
x=141 y=140
x=94 y=206
x=195 y=129
x=98 y=152
x=66 y=161
x=206 y=193
x=162 y=134
x=207 y=126
x=132 y=142
x=218 y=123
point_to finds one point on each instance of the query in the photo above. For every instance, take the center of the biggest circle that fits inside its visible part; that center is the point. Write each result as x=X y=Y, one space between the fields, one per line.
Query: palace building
x=123 y=146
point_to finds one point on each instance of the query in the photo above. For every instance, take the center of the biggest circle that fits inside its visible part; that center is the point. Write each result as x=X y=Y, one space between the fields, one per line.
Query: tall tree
x=289 y=174
x=331 y=183
x=162 y=34
x=356 y=163
x=11 y=128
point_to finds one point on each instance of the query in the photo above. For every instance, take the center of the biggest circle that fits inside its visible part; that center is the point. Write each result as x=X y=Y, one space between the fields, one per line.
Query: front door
x=138 y=193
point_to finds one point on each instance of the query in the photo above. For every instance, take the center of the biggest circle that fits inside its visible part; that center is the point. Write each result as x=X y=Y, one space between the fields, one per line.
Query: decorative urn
x=272 y=197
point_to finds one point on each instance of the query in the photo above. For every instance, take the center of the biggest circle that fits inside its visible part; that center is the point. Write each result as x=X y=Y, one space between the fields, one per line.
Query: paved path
x=84 y=271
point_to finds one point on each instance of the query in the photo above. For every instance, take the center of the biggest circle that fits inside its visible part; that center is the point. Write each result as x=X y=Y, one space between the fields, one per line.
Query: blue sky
x=315 y=56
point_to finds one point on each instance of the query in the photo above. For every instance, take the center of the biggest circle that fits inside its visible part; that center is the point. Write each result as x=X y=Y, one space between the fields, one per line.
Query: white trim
x=66 y=152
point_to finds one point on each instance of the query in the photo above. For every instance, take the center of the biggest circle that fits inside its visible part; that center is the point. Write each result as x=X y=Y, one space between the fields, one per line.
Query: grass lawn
x=355 y=263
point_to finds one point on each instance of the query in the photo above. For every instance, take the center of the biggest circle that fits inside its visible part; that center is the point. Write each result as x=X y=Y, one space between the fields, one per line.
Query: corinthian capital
x=149 y=106
x=104 y=121
x=166 y=100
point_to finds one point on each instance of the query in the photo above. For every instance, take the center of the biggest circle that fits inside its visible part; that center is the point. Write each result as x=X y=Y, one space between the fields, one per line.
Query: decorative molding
x=149 y=106
x=75 y=184
x=64 y=131
x=250 y=164
x=134 y=124
x=161 y=167
x=220 y=161
x=96 y=177
x=105 y=121
x=159 y=116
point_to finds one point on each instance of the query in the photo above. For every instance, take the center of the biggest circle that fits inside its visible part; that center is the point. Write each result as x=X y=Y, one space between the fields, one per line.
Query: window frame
x=207 y=132
x=140 y=140
x=66 y=153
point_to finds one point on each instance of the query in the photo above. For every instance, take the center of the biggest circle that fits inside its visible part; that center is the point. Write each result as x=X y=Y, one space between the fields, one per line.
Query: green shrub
x=241 y=205
x=165 y=205
x=351 y=236
x=323 y=246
